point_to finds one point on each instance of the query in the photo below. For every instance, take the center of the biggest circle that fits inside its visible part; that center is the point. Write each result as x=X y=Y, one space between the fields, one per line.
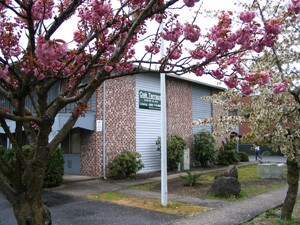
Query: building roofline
x=195 y=81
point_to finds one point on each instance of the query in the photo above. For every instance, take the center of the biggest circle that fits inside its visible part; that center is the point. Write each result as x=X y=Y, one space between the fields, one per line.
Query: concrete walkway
x=223 y=212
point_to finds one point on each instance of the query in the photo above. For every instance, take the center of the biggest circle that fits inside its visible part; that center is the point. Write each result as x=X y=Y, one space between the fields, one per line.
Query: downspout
x=103 y=131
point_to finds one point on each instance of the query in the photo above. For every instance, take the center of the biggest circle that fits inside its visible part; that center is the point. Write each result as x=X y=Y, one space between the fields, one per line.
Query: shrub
x=175 y=150
x=191 y=178
x=204 y=148
x=125 y=164
x=227 y=155
x=54 y=170
x=243 y=157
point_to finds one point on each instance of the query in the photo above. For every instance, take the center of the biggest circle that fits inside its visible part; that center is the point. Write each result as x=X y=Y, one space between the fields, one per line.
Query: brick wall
x=120 y=116
x=91 y=145
x=120 y=126
x=179 y=109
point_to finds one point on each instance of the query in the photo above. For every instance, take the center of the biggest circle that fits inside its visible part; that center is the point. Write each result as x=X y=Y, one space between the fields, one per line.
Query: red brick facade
x=119 y=126
x=179 y=109
x=121 y=120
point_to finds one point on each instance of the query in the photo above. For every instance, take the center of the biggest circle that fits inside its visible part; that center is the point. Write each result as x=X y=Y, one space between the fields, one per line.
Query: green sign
x=149 y=100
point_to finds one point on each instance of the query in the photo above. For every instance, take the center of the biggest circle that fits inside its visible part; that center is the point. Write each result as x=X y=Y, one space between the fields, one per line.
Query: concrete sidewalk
x=239 y=211
x=223 y=212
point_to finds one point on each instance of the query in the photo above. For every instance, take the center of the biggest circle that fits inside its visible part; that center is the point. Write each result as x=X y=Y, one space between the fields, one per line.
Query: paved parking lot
x=69 y=210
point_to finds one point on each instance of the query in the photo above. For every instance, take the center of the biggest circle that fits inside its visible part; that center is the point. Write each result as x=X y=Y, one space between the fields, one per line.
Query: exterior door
x=71 y=147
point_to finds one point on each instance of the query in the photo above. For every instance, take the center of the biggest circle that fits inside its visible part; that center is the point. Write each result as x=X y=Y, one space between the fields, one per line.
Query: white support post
x=164 y=185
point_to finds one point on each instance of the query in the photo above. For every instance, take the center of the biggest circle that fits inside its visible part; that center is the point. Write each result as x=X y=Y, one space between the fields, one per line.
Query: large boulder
x=225 y=186
x=230 y=172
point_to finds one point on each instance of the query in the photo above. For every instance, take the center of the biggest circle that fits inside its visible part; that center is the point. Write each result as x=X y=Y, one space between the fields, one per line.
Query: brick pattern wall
x=120 y=116
x=90 y=153
x=91 y=145
x=179 y=109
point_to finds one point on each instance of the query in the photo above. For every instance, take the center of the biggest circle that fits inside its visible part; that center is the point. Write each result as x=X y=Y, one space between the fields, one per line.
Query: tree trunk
x=290 y=199
x=28 y=205
x=31 y=211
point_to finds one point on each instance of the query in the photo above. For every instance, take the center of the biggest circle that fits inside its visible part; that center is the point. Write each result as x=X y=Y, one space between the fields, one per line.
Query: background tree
x=273 y=110
x=35 y=56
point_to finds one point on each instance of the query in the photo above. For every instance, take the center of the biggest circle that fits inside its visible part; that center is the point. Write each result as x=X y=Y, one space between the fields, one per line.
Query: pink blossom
x=246 y=88
x=48 y=52
x=136 y=2
x=294 y=6
x=191 y=32
x=199 y=70
x=273 y=26
x=108 y=68
x=247 y=16
x=190 y=3
x=172 y=34
x=218 y=74
x=279 y=87
x=42 y=9
x=250 y=77
x=231 y=81
x=159 y=18
x=4 y=72
x=153 y=49
x=258 y=78
x=175 y=53
x=264 y=77
x=198 y=53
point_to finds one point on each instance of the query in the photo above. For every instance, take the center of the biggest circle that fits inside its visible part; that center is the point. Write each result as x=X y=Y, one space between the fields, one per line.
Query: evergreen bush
x=204 y=148
x=125 y=164
x=54 y=170
x=227 y=155
x=243 y=157
x=175 y=150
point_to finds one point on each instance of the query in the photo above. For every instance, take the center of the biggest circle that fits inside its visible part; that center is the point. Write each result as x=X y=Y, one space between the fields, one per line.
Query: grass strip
x=176 y=208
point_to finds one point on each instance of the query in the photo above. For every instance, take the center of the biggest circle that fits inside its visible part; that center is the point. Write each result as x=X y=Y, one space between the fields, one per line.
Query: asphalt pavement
x=69 y=206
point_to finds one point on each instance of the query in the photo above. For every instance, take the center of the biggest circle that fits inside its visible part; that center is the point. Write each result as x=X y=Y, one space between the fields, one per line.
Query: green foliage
x=175 y=150
x=191 y=178
x=54 y=170
x=227 y=155
x=243 y=157
x=266 y=153
x=204 y=148
x=125 y=164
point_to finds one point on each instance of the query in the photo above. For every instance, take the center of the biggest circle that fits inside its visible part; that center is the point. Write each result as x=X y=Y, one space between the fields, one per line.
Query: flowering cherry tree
x=273 y=108
x=35 y=56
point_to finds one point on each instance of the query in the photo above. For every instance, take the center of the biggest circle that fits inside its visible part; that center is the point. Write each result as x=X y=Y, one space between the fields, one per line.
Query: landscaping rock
x=231 y=172
x=225 y=186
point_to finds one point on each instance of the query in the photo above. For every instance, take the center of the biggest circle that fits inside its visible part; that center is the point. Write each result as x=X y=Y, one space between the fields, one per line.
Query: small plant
x=204 y=148
x=175 y=150
x=125 y=164
x=191 y=178
x=243 y=157
x=227 y=155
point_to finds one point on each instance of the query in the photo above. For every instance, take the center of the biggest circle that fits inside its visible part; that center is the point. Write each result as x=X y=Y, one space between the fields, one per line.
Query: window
x=71 y=144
